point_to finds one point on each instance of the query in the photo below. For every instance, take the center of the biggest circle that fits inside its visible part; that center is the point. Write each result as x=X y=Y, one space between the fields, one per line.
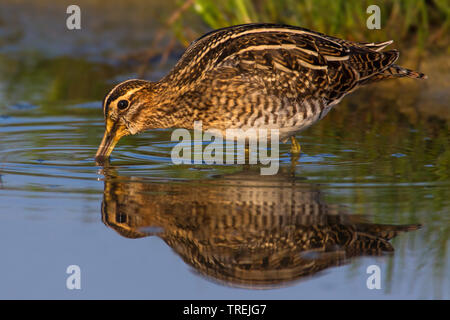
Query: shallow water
x=141 y=227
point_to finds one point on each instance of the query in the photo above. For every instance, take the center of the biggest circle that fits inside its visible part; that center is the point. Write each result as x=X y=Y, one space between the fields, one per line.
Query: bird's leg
x=295 y=147
x=247 y=154
x=294 y=161
x=295 y=154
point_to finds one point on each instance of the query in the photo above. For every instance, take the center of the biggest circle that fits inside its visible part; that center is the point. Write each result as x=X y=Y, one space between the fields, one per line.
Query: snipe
x=250 y=76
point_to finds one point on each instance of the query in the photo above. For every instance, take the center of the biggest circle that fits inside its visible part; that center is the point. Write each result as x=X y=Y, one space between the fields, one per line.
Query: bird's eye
x=122 y=104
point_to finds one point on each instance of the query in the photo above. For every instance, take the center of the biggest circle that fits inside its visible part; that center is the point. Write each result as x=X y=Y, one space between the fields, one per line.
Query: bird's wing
x=305 y=63
x=287 y=59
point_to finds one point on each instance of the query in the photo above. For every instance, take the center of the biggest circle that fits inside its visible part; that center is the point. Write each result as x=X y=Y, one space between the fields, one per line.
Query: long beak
x=113 y=133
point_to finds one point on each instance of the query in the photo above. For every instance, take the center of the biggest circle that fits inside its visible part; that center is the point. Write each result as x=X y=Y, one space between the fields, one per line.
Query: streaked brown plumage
x=245 y=229
x=250 y=76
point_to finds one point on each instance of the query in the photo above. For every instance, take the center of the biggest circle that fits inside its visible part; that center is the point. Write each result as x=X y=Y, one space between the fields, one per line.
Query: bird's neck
x=173 y=106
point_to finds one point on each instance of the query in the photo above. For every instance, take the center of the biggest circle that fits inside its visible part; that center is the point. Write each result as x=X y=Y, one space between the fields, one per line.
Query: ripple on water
x=64 y=147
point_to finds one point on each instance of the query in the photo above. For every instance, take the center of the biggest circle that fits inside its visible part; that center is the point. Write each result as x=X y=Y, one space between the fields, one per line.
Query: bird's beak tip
x=101 y=160
x=109 y=141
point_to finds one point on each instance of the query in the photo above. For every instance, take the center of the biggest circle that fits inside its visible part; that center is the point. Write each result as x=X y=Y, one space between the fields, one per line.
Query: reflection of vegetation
x=385 y=142
x=47 y=81
x=427 y=21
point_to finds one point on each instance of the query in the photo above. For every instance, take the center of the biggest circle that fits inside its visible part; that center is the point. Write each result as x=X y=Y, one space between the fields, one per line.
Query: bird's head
x=125 y=109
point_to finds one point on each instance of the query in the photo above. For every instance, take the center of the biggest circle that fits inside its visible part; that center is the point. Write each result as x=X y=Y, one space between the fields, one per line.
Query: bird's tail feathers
x=394 y=71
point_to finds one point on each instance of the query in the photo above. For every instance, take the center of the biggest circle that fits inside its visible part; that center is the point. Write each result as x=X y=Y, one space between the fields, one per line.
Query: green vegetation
x=420 y=23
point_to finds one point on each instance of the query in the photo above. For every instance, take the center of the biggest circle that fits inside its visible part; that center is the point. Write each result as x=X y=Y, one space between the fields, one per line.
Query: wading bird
x=263 y=76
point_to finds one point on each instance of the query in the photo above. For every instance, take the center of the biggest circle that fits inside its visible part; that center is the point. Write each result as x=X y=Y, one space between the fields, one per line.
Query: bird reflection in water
x=245 y=229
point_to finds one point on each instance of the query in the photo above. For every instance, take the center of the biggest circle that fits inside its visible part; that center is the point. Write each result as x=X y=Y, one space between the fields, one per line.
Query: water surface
x=370 y=188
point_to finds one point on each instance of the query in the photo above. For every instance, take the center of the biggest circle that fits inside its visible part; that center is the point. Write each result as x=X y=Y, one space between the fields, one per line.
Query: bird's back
x=270 y=74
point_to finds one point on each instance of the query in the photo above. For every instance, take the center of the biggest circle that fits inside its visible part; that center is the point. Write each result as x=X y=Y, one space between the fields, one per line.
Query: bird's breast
x=286 y=118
